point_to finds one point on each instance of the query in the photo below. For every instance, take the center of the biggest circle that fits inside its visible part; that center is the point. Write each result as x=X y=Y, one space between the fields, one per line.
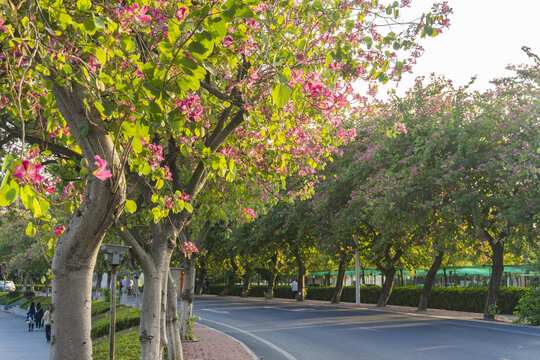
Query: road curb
x=249 y=351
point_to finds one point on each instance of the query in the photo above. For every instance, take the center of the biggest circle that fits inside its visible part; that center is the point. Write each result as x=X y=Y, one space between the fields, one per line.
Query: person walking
x=30 y=316
x=294 y=288
x=47 y=321
x=39 y=316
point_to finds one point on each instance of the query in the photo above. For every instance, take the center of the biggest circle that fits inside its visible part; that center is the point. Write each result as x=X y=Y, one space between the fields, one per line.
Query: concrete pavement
x=17 y=343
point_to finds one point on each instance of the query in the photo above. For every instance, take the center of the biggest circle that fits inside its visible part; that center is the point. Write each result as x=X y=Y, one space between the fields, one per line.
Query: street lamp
x=113 y=254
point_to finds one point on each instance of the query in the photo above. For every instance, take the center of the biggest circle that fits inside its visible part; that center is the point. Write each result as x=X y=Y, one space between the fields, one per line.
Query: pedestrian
x=47 y=320
x=30 y=316
x=206 y=286
x=39 y=315
x=294 y=288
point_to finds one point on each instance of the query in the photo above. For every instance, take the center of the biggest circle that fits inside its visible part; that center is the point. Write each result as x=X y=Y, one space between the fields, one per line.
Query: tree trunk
x=99 y=279
x=301 y=276
x=336 y=297
x=445 y=277
x=430 y=279
x=497 y=268
x=386 y=291
x=174 y=344
x=273 y=277
x=76 y=250
x=246 y=288
x=231 y=278
x=154 y=308
x=187 y=297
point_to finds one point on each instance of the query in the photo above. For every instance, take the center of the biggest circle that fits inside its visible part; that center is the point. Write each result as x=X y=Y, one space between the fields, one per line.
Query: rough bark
x=430 y=279
x=76 y=250
x=187 y=297
x=246 y=287
x=273 y=276
x=338 y=290
x=174 y=345
x=497 y=269
x=386 y=291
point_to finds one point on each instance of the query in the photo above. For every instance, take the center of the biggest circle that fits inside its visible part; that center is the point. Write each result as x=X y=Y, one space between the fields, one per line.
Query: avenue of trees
x=438 y=176
x=152 y=121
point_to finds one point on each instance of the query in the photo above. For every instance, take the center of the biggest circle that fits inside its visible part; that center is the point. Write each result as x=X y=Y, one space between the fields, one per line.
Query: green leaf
x=188 y=207
x=127 y=43
x=84 y=5
x=101 y=55
x=173 y=33
x=165 y=48
x=281 y=95
x=90 y=25
x=83 y=129
x=131 y=206
x=30 y=230
x=67 y=69
x=137 y=145
x=99 y=22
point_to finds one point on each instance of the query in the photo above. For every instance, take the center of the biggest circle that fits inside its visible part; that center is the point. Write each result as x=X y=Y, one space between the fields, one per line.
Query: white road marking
x=284 y=309
x=216 y=311
x=266 y=342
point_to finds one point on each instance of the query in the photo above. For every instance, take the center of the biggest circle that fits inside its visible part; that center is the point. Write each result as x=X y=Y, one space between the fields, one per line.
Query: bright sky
x=484 y=37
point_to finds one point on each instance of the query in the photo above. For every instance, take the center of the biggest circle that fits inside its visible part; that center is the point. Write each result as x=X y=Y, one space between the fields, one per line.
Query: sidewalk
x=16 y=343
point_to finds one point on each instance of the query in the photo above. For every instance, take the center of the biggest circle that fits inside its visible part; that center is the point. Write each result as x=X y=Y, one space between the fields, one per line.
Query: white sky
x=484 y=37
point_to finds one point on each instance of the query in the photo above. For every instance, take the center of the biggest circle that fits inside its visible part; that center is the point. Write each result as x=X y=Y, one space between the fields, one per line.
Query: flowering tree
x=158 y=90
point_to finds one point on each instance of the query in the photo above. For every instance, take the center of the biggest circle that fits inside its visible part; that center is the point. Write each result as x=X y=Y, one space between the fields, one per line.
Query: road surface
x=277 y=330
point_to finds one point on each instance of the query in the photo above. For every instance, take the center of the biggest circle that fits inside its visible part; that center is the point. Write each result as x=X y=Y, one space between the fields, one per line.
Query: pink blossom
x=28 y=173
x=101 y=173
x=181 y=14
x=400 y=127
x=59 y=230
x=188 y=248
x=3 y=27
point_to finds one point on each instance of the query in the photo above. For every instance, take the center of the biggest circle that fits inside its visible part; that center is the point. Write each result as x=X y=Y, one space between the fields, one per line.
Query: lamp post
x=113 y=254
x=356 y=273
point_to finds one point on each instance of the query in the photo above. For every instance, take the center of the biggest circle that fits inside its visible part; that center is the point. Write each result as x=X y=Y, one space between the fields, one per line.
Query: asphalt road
x=276 y=331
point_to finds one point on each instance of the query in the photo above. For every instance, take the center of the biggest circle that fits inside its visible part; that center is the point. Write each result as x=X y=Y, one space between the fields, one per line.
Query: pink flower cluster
x=59 y=230
x=189 y=248
x=191 y=107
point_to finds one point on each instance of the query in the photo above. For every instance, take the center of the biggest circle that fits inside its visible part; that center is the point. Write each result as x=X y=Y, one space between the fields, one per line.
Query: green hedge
x=470 y=299
x=10 y=298
x=125 y=318
x=127 y=346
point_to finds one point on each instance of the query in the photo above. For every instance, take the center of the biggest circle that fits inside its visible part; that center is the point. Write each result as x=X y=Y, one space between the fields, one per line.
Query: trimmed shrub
x=125 y=318
x=10 y=298
x=127 y=346
x=29 y=294
x=528 y=307
x=470 y=299
x=26 y=303
x=99 y=307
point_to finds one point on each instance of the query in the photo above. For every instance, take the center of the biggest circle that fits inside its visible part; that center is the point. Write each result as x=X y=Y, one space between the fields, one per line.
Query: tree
x=118 y=83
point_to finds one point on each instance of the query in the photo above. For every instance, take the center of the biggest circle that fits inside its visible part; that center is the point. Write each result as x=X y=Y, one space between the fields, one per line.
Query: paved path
x=16 y=343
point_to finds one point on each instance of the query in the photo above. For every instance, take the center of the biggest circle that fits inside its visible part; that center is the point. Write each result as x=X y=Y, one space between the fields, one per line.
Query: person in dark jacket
x=39 y=315
x=30 y=316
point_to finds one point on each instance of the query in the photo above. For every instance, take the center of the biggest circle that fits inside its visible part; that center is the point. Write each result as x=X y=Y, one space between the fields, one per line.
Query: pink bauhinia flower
x=3 y=27
x=101 y=173
x=28 y=173
x=188 y=248
x=181 y=13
